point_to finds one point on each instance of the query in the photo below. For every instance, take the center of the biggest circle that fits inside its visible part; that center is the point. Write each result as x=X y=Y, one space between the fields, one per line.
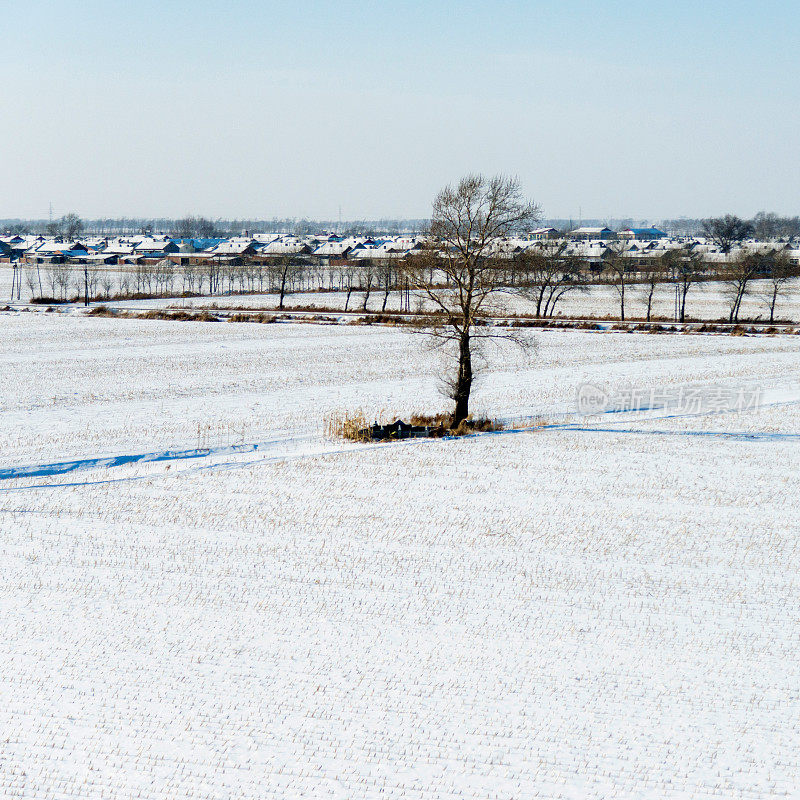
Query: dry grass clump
x=102 y=311
x=350 y=425
x=179 y=316
x=440 y=420
x=257 y=317
x=162 y=314
x=479 y=425
x=356 y=427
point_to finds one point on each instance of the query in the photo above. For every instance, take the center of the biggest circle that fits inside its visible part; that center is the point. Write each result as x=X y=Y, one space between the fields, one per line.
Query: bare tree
x=726 y=231
x=125 y=280
x=348 y=281
x=71 y=225
x=164 y=276
x=90 y=279
x=33 y=280
x=767 y=226
x=741 y=271
x=465 y=221
x=206 y=228
x=683 y=267
x=546 y=272
x=654 y=272
x=185 y=228
x=189 y=275
x=367 y=277
x=213 y=275
x=106 y=284
x=689 y=267
x=618 y=265
x=284 y=271
x=781 y=271
x=59 y=276
x=191 y=227
x=385 y=278
x=52 y=277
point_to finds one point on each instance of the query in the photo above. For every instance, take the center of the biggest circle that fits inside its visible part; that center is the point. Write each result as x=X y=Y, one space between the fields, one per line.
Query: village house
x=642 y=234
x=155 y=248
x=587 y=233
x=545 y=233
x=54 y=251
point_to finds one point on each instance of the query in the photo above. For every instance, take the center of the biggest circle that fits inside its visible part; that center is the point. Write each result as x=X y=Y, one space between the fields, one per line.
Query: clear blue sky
x=292 y=109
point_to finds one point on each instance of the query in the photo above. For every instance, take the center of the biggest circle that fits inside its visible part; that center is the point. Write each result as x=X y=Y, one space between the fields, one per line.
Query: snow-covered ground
x=605 y=606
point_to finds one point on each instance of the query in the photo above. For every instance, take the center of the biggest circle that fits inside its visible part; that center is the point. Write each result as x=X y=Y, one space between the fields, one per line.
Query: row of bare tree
x=683 y=268
x=282 y=275
x=546 y=274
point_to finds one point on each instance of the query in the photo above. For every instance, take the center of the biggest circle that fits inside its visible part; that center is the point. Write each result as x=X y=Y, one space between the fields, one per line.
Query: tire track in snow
x=317 y=447
x=63 y=467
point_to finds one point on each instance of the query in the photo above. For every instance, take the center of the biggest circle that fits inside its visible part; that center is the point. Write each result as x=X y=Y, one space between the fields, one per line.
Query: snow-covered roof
x=232 y=247
x=56 y=246
x=284 y=245
x=155 y=245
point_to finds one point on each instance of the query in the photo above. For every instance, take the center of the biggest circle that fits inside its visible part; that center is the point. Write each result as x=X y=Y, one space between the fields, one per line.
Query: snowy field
x=606 y=606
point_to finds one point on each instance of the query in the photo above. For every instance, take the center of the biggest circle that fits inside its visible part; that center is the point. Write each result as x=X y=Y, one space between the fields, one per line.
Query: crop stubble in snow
x=559 y=613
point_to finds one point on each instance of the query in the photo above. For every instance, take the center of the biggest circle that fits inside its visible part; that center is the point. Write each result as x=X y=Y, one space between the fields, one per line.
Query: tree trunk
x=283 y=287
x=650 y=300
x=386 y=292
x=622 y=301
x=736 y=304
x=463 y=380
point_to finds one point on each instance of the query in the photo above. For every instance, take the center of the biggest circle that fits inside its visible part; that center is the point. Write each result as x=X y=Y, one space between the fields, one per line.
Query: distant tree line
x=764 y=226
x=198 y=226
